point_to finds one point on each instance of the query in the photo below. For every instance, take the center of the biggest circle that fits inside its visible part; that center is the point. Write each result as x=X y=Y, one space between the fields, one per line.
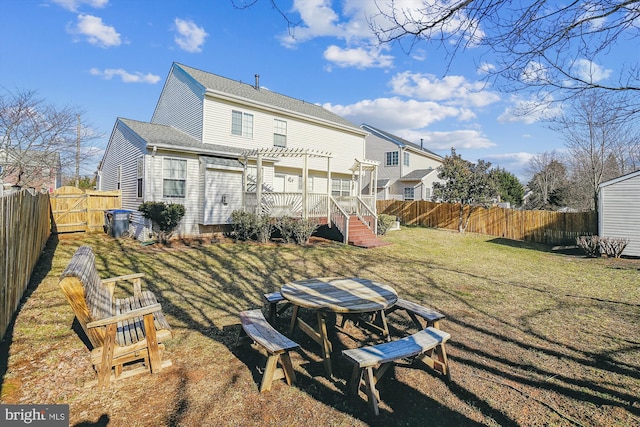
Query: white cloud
x=395 y=113
x=529 y=111
x=359 y=57
x=125 y=76
x=485 y=68
x=534 y=72
x=96 y=32
x=73 y=5
x=454 y=90
x=516 y=163
x=189 y=36
x=459 y=139
x=590 y=72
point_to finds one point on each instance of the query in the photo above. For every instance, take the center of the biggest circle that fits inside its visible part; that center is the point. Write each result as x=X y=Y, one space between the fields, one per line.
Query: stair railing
x=340 y=218
x=367 y=215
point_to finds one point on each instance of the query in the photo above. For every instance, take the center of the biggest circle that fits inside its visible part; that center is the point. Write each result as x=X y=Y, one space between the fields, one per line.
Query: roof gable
x=168 y=137
x=620 y=178
x=261 y=96
x=400 y=142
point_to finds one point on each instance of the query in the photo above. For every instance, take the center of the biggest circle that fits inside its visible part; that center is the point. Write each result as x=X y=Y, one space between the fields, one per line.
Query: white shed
x=619 y=211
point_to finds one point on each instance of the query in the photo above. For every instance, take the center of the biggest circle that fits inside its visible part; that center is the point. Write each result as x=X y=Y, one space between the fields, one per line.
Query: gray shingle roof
x=396 y=139
x=168 y=137
x=417 y=174
x=216 y=83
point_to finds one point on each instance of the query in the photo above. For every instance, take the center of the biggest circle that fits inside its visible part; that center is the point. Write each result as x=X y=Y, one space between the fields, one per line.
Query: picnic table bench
x=415 y=311
x=121 y=330
x=371 y=362
x=273 y=299
x=256 y=327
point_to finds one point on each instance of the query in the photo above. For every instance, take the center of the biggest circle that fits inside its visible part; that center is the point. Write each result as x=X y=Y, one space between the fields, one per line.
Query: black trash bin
x=117 y=222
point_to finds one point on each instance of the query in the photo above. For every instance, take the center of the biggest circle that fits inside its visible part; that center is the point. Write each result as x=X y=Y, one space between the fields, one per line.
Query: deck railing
x=277 y=204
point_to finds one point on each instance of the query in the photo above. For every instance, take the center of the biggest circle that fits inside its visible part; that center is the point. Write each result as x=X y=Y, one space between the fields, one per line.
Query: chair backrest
x=88 y=297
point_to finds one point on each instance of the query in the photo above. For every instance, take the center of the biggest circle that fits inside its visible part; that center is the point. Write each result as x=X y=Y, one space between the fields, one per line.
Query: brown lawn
x=538 y=337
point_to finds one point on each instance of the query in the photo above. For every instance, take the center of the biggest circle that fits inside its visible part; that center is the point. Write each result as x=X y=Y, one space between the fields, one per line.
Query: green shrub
x=262 y=228
x=242 y=224
x=164 y=217
x=286 y=225
x=385 y=222
x=304 y=229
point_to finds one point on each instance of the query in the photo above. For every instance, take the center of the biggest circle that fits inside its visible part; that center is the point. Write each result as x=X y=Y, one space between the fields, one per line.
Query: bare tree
x=541 y=43
x=37 y=139
x=548 y=181
x=600 y=141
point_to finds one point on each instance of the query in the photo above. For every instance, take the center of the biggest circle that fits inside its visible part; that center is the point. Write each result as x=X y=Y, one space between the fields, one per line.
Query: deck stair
x=362 y=236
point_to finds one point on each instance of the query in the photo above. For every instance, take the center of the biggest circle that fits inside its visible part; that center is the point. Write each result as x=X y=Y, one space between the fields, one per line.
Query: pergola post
x=328 y=191
x=305 y=189
x=259 y=184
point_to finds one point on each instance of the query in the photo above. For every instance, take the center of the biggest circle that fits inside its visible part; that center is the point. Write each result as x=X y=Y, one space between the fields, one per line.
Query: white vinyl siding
x=619 y=212
x=344 y=146
x=125 y=147
x=181 y=105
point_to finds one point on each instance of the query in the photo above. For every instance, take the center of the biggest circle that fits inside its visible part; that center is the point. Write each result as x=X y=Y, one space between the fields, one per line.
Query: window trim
x=413 y=193
x=119 y=177
x=184 y=188
x=405 y=158
x=245 y=128
x=140 y=177
x=278 y=127
x=391 y=158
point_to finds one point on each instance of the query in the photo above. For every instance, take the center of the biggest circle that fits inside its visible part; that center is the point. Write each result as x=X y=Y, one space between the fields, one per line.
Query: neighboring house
x=407 y=171
x=216 y=145
x=619 y=211
x=30 y=168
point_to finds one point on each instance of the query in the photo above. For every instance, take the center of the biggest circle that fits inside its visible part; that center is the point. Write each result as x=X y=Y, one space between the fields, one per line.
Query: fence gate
x=74 y=210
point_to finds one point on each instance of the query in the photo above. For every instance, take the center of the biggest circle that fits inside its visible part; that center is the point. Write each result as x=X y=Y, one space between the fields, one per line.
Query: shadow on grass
x=42 y=268
x=569 y=250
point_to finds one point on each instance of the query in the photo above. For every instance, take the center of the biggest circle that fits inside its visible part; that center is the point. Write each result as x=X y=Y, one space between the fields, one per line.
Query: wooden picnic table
x=346 y=296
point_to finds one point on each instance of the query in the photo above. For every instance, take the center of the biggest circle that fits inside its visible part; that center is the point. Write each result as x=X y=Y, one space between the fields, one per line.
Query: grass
x=538 y=337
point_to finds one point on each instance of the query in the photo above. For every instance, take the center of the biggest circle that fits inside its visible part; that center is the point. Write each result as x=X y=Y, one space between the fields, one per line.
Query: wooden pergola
x=359 y=168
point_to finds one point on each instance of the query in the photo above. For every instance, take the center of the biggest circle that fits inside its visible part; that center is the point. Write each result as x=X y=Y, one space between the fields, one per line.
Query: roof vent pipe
x=421 y=144
x=257 y=82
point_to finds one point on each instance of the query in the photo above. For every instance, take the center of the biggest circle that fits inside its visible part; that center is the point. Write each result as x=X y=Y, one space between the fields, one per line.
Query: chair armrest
x=138 y=312
x=135 y=277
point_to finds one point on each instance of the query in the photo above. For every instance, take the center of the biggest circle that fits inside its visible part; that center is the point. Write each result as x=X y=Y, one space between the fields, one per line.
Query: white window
x=310 y=185
x=119 y=177
x=409 y=193
x=174 y=178
x=405 y=159
x=140 y=175
x=279 y=133
x=340 y=187
x=242 y=124
x=391 y=158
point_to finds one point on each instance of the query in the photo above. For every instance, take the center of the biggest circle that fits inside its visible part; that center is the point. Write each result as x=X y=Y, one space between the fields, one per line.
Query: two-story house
x=407 y=171
x=216 y=145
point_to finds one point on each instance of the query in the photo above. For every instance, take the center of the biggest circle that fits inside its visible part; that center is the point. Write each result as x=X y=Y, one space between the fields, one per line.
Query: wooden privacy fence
x=24 y=230
x=76 y=210
x=553 y=228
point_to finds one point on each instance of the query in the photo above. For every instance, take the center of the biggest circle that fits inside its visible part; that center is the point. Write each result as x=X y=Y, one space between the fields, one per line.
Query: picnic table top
x=340 y=294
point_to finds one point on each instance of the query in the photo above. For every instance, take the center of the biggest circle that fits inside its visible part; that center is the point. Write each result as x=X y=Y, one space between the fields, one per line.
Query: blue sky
x=110 y=58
